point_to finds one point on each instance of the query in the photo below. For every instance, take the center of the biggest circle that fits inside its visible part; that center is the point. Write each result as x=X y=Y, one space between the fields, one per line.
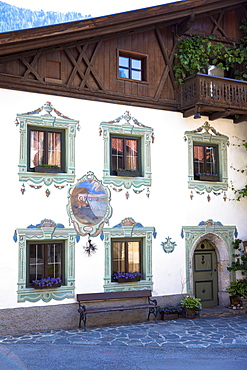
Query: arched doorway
x=205 y=274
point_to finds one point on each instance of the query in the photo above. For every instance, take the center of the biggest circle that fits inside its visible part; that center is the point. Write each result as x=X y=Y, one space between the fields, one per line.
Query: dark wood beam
x=240 y=119
x=217 y=115
x=185 y=25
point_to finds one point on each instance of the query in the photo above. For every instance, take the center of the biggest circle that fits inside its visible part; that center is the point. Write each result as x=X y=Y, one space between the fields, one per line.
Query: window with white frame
x=47 y=146
x=207 y=159
x=46 y=250
x=128 y=251
x=127 y=152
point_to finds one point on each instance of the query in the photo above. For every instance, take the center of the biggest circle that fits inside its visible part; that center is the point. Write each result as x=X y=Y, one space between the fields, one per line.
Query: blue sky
x=94 y=7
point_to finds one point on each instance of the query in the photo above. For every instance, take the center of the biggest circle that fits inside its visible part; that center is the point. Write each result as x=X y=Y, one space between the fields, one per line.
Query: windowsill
x=33 y=295
x=135 y=285
x=208 y=185
x=47 y=178
x=131 y=80
x=127 y=181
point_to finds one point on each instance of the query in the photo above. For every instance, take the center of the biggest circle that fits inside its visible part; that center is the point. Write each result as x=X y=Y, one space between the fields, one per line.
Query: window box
x=205 y=177
x=128 y=173
x=36 y=286
x=46 y=169
x=123 y=280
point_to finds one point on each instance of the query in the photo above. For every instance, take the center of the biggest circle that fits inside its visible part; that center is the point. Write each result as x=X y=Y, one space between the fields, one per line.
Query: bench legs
x=83 y=316
x=154 y=309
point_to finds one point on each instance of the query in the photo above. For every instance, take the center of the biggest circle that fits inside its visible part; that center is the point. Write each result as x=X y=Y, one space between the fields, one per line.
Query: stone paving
x=227 y=332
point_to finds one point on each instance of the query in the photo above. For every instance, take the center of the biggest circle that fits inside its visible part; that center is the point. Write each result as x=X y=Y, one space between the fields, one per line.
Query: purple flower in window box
x=47 y=283
x=127 y=277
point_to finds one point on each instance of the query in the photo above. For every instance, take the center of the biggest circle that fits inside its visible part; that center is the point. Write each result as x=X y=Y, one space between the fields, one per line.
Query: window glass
x=136 y=75
x=205 y=161
x=45 y=260
x=126 y=256
x=123 y=62
x=131 y=68
x=45 y=148
x=124 y=154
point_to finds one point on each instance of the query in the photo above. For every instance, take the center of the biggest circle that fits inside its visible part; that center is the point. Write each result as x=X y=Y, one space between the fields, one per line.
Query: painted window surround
x=136 y=129
x=47 y=230
x=221 y=237
x=47 y=121
x=210 y=136
x=128 y=229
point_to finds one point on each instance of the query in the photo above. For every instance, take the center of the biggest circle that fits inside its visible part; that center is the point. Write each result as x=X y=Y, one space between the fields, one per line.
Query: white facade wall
x=168 y=208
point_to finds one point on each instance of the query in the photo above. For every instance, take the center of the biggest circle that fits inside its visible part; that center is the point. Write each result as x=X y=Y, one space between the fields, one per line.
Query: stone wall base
x=35 y=319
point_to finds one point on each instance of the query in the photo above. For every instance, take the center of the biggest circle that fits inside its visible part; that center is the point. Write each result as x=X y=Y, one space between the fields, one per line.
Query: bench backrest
x=113 y=295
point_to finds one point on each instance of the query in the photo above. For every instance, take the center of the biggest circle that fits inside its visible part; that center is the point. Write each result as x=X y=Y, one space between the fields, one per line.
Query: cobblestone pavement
x=227 y=332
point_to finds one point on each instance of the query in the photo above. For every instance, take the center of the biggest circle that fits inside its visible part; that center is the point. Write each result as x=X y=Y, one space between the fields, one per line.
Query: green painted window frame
x=47 y=122
x=136 y=130
x=44 y=234
x=217 y=139
x=127 y=230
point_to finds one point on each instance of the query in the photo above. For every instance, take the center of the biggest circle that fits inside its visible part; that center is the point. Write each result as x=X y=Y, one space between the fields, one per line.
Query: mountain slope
x=13 y=18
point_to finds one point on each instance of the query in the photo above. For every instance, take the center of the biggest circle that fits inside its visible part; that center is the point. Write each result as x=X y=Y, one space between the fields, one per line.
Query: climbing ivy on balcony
x=195 y=54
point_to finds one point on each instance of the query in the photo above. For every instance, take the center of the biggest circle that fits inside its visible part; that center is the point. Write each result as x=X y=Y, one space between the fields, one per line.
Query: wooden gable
x=80 y=59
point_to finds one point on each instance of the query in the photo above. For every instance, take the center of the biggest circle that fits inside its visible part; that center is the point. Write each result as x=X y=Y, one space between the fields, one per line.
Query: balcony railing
x=210 y=94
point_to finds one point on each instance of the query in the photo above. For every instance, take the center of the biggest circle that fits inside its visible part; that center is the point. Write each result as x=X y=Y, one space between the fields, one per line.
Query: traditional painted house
x=115 y=166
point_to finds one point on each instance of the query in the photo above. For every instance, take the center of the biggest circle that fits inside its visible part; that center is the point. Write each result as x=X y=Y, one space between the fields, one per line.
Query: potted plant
x=48 y=282
x=48 y=168
x=169 y=312
x=237 y=289
x=190 y=306
x=127 y=277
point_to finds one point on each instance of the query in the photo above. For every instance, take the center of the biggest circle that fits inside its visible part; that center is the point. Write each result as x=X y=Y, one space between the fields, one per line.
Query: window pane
x=136 y=75
x=131 y=155
x=136 y=64
x=118 y=257
x=198 y=159
x=54 y=261
x=36 y=262
x=36 y=148
x=123 y=62
x=210 y=156
x=134 y=256
x=54 y=148
x=117 y=153
x=124 y=73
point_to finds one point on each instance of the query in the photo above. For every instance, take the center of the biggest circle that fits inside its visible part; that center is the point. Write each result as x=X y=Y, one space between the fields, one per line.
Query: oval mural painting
x=89 y=205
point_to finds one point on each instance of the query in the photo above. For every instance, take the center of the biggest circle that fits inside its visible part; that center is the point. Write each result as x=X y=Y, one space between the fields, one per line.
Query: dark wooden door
x=205 y=274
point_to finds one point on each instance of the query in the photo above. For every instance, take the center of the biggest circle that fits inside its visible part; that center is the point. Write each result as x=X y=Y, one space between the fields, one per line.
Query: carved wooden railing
x=214 y=91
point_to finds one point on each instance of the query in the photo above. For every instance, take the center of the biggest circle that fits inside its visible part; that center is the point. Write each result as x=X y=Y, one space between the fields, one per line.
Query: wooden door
x=205 y=274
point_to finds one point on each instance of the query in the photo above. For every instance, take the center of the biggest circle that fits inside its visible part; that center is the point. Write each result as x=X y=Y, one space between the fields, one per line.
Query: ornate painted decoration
x=46 y=230
x=217 y=234
x=89 y=205
x=129 y=228
x=207 y=134
x=46 y=120
x=168 y=246
x=130 y=126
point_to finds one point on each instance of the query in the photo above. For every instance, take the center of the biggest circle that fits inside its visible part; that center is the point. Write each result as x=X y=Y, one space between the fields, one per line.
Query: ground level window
x=45 y=148
x=205 y=158
x=45 y=259
x=126 y=256
x=125 y=155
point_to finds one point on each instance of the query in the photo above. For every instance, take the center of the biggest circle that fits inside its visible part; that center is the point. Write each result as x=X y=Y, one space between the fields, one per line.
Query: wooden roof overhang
x=27 y=46
x=19 y=41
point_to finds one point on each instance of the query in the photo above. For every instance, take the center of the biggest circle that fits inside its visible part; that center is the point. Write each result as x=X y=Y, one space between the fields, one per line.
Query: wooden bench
x=151 y=304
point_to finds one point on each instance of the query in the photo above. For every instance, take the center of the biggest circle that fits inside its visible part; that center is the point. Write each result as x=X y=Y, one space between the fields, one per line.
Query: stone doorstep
x=221 y=311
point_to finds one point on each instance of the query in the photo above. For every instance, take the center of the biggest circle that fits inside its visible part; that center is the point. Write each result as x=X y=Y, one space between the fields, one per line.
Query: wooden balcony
x=215 y=97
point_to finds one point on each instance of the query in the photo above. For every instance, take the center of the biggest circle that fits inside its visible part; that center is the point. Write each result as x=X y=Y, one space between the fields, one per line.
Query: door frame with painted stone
x=221 y=238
